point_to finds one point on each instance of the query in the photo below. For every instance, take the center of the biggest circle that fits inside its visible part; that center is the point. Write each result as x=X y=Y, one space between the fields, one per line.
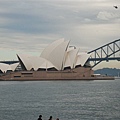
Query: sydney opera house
x=57 y=56
x=58 y=61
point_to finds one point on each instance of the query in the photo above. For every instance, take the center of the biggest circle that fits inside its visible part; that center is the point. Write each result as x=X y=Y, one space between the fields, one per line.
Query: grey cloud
x=81 y=21
x=51 y=18
x=104 y=15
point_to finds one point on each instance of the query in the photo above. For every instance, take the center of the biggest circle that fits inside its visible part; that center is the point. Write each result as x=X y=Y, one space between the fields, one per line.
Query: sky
x=28 y=26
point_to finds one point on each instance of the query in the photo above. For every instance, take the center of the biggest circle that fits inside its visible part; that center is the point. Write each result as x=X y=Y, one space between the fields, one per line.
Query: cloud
x=29 y=26
x=24 y=42
x=104 y=15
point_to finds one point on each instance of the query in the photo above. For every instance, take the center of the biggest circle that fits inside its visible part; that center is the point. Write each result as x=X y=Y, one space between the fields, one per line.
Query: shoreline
x=62 y=79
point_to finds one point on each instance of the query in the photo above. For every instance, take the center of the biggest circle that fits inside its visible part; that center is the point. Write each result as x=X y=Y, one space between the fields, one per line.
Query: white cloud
x=104 y=15
x=28 y=26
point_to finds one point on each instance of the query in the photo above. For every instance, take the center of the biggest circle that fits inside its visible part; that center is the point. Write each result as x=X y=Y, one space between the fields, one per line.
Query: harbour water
x=67 y=100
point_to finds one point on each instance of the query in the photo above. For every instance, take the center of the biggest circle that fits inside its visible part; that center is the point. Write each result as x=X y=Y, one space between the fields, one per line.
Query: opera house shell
x=56 y=56
x=5 y=67
x=58 y=61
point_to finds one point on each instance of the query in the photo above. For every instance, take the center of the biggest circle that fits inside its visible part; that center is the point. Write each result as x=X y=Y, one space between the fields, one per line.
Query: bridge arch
x=110 y=51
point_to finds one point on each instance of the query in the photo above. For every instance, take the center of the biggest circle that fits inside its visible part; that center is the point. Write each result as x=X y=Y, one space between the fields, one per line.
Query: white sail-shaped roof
x=4 y=67
x=55 y=53
x=35 y=62
x=40 y=63
x=13 y=66
x=67 y=62
x=46 y=64
x=81 y=59
x=71 y=57
x=26 y=61
x=58 y=55
x=47 y=51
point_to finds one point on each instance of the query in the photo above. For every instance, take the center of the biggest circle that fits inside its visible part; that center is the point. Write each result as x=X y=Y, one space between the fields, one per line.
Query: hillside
x=108 y=71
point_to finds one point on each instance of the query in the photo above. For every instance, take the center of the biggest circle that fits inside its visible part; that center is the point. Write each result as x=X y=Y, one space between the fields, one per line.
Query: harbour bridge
x=110 y=51
x=107 y=52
